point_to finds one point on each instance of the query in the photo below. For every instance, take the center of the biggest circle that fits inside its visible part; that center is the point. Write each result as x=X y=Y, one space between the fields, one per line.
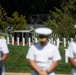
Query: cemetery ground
x=17 y=62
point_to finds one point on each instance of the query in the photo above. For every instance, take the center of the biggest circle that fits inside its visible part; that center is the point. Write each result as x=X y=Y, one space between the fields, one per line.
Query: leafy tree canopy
x=62 y=21
x=3 y=17
x=17 y=21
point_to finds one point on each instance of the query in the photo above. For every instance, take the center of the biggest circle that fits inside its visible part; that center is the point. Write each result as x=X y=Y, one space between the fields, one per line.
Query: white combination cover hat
x=43 y=31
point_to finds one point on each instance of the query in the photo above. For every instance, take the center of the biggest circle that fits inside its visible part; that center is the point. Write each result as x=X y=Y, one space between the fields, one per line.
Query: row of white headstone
x=56 y=42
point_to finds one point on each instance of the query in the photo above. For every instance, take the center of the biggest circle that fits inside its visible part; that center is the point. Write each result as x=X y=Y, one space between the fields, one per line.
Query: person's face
x=42 y=38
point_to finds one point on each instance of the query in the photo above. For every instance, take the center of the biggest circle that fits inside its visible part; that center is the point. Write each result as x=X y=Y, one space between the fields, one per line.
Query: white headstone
x=29 y=42
x=18 y=41
x=71 y=39
x=57 y=42
x=66 y=57
x=12 y=40
x=23 y=41
x=68 y=42
x=64 y=42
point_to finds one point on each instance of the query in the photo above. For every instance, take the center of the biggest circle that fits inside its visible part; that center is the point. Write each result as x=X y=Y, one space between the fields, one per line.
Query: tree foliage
x=18 y=22
x=62 y=21
x=3 y=17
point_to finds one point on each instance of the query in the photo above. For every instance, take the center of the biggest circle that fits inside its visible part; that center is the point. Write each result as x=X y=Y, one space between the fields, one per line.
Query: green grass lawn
x=17 y=62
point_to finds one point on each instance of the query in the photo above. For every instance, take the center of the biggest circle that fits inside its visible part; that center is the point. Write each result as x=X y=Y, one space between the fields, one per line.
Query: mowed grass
x=17 y=62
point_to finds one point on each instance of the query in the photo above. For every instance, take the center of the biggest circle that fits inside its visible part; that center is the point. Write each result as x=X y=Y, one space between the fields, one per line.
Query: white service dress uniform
x=43 y=55
x=3 y=50
x=72 y=54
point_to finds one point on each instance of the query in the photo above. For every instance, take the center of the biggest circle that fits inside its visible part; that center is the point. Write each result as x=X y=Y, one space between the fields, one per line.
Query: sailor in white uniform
x=43 y=56
x=72 y=56
x=3 y=54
